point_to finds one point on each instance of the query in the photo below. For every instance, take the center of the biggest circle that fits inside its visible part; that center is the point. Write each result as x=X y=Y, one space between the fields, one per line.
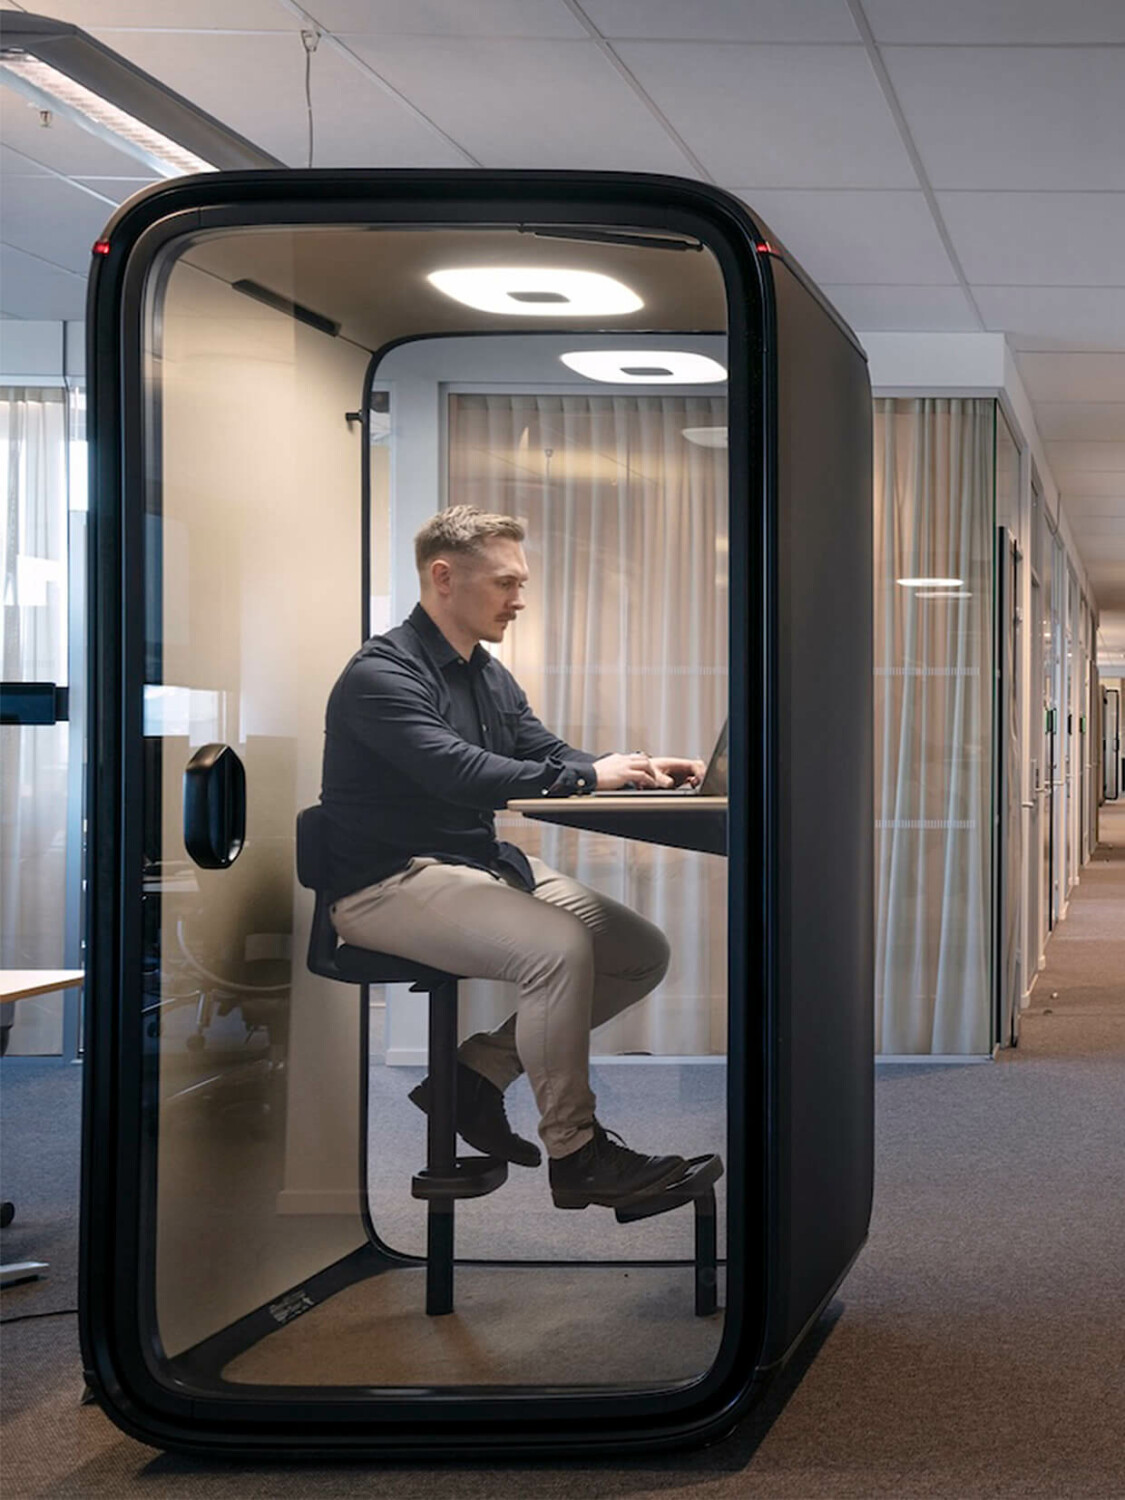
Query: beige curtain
x=933 y=725
x=33 y=782
x=623 y=644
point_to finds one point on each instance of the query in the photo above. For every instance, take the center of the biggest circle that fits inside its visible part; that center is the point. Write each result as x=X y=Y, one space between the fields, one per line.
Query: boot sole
x=576 y=1198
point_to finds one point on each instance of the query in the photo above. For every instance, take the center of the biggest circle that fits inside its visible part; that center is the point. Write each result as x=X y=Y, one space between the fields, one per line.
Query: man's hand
x=634 y=769
x=679 y=772
x=639 y=769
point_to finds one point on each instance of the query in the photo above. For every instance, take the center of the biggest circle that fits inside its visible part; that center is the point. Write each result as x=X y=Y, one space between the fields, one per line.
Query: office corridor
x=975 y=1350
x=1078 y=1006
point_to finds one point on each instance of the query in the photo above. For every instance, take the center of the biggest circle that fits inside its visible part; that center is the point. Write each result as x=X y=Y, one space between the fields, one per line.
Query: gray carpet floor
x=977 y=1349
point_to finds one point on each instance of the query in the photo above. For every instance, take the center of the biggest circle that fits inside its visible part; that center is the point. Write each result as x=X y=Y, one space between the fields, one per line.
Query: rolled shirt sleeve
x=576 y=774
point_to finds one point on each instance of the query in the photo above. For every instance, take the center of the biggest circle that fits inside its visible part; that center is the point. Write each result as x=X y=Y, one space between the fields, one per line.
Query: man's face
x=487 y=591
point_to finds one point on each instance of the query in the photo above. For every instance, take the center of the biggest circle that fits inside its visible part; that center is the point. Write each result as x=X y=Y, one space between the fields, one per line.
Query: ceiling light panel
x=53 y=90
x=537 y=291
x=706 y=437
x=645 y=367
x=931 y=583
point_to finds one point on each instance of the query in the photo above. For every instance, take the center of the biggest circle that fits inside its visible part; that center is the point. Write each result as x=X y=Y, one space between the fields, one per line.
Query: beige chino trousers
x=578 y=957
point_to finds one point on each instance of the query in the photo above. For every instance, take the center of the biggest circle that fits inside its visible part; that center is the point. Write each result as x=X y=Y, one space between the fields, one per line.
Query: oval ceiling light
x=542 y=291
x=706 y=437
x=931 y=583
x=645 y=366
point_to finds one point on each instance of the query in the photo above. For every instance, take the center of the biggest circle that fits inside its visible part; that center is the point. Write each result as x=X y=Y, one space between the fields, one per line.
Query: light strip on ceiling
x=64 y=70
x=53 y=90
x=930 y=583
x=645 y=366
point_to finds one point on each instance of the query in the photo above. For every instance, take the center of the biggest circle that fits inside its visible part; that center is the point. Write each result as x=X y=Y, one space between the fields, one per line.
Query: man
x=427 y=735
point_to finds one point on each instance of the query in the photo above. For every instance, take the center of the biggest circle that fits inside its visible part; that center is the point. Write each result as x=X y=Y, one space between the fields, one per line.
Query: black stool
x=446 y=1176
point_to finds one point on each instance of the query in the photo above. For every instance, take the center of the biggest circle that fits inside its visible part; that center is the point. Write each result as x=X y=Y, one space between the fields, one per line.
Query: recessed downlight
x=552 y=292
x=645 y=366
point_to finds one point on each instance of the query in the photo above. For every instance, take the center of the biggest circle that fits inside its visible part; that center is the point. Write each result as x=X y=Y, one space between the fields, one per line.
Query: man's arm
x=535 y=741
x=583 y=771
x=388 y=708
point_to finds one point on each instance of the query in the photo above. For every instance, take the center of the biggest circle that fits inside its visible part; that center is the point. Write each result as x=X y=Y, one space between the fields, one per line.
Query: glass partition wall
x=278 y=1136
x=934 y=706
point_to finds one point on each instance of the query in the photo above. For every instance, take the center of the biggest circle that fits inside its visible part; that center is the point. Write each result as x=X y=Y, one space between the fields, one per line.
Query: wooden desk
x=21 y=984
x=677 y=822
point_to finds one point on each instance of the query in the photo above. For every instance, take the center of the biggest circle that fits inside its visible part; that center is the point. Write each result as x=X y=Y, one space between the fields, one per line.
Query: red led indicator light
x=101 y=247
x=764 y=247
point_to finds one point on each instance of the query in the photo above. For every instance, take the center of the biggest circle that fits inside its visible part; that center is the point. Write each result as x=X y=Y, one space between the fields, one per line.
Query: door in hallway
x=1007 y=821
x=1111 y=744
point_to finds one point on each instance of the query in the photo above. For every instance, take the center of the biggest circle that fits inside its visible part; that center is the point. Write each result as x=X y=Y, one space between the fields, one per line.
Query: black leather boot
x=482 y=1120
x=609 y=1174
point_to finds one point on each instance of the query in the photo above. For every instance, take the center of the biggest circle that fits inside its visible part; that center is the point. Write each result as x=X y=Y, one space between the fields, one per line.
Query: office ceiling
x=936 y=167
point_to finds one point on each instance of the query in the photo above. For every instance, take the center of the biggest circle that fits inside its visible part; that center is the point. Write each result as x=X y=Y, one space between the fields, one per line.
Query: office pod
x=478 y=562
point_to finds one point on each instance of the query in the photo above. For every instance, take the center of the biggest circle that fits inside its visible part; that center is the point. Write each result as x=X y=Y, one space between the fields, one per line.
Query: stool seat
x=365 y=966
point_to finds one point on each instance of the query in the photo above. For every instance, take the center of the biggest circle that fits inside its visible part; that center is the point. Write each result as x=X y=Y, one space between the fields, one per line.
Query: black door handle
x=214 y=807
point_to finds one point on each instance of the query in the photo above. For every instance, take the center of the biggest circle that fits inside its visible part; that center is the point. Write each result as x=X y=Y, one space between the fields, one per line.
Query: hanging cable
x=310 y=40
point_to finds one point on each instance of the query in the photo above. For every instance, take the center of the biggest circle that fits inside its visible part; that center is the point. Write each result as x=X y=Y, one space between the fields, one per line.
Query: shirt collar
x=442 y=650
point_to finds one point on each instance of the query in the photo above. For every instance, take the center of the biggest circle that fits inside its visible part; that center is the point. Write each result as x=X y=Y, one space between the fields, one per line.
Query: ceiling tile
x=1101 y=487
x=1087 y=458
x=1103 y=526
x=511 y=18
x=1038 y=239
x=1077 y=421
x=1014 y=117
x=53 y=219
x=256 y=84
x=62 y=146
x=784 y=117
x=904 y=309
x=866 y=238
x=1088 y=315
x=1084 y=508
x=175 y=15
x=117 y=188
x=15 y=164
x=1012 y=21
x=527 y=103
x=1062 y=376
x=723 y=20
x=30 y=288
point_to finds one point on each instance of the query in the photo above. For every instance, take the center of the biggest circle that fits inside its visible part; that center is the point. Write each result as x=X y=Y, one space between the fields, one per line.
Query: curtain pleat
x=933 y=720
x=33 y=783
x=622 y=646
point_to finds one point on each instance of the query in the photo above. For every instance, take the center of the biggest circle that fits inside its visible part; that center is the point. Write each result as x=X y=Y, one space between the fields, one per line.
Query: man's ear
x=441 y=575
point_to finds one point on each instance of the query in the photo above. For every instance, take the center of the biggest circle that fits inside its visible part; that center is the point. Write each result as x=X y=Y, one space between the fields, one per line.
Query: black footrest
x=473 y=1178
x=701 y=1175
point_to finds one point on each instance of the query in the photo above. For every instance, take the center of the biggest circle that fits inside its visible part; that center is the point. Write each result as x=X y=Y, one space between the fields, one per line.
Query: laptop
x=714 y=783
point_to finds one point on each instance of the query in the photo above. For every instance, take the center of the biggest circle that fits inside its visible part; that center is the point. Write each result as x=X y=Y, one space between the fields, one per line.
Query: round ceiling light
x=538 y=291
x=645 y=366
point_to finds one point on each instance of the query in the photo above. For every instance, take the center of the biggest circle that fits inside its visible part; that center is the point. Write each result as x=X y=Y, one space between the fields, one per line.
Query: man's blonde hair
x=462 y=529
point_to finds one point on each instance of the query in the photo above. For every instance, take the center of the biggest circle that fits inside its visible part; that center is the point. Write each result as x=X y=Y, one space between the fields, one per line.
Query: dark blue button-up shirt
x=421 y=747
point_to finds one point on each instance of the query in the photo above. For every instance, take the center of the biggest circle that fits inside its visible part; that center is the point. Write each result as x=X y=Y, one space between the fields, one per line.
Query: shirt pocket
x=507 y=731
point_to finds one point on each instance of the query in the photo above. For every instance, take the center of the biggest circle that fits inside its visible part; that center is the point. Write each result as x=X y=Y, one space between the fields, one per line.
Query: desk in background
x=22 y=984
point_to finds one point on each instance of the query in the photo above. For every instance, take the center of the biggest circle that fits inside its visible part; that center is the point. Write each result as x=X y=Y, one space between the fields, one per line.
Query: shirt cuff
x=569 y=779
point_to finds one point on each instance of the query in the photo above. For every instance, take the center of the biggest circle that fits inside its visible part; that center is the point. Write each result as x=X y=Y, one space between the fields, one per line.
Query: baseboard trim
x=884 y=1058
